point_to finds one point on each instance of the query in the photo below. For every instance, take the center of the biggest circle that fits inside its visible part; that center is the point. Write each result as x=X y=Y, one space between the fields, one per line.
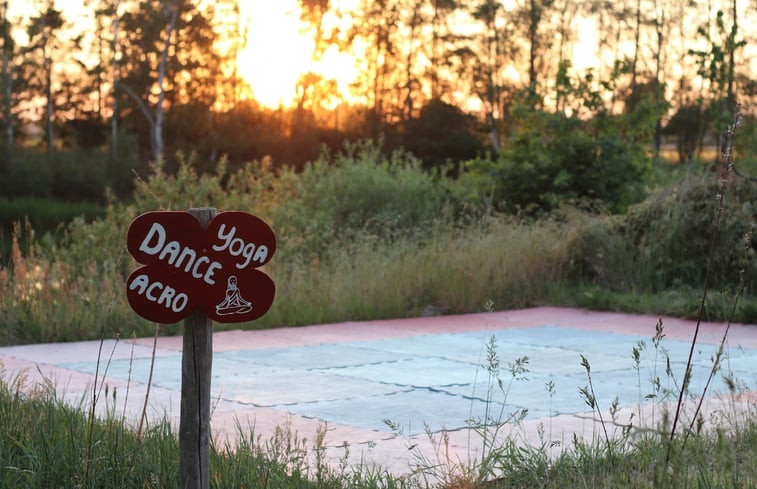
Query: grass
x=44 y=443
x=682 y=302
x=446 y=271
x=625 y=451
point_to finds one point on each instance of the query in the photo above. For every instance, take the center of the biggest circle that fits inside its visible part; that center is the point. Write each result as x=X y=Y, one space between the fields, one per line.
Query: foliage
x=361 y=191
x=441 y=135
x=410 y=57
x=73 y=175
x=745 y=164
x=716 y=65
x=687 y=125
x=42 y=216
x=553 y=159
x=365 y=236
x=662 y=243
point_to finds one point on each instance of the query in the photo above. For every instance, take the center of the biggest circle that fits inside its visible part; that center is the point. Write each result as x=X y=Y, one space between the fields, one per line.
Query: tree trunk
x=114 y=116
x=8 y=92
x=408 y=103
x=636 y=43
x=534 y=17
x=435 y=52
x=159 y=111
x=659 y=26
x=49 y=95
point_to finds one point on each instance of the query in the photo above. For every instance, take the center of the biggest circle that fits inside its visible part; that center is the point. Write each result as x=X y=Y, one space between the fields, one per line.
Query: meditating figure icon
x=233 y=303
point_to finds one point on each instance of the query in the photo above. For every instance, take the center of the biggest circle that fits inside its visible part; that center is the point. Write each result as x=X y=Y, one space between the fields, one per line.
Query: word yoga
x=214 y=269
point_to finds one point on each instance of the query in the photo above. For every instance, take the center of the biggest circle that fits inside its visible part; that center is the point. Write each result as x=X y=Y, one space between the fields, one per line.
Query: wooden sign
x=214 y=269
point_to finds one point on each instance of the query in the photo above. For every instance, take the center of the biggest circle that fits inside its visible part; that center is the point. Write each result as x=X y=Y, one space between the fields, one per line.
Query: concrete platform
x=430 y=378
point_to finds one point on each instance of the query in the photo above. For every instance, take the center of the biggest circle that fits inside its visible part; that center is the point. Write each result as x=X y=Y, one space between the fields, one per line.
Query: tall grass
x=449 y=271
x=45 y=442
x=363 y=235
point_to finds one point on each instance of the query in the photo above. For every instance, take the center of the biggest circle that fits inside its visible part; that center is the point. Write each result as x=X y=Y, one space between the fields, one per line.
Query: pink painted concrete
x=36 y=364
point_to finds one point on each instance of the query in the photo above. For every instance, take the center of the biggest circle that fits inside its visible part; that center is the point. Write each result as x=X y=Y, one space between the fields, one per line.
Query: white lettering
x=171 y=249
x=155 y=231
x=148 y=294
x=226 y=237
x=261 y=254
x=247 y=253
x=202 y=259
x=166 y=296
x=208 y=278
x=235 y=251
x=141 y=281
x=186 y=252
x=181 y=298
x=180 y=257
x=237 y=246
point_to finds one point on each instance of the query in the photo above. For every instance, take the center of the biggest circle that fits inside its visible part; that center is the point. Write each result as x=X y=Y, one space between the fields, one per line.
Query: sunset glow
x=279 y=50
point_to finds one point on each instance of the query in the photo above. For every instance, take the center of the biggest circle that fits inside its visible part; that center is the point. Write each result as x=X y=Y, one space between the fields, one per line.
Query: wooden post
x=196 y=366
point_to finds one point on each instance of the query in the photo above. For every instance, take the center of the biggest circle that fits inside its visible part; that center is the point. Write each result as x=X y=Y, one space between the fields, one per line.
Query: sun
x=279 y=51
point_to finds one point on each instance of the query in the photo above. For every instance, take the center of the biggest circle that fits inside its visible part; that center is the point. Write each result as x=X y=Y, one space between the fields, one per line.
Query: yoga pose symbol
x=233 y=303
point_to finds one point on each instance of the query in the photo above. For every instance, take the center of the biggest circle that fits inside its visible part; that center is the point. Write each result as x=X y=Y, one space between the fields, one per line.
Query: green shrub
x=41 y=216
x=664 y=242
x=27 y=176
x=672 y=232
x=362 y=191
x=552 y=159
x=76 y=175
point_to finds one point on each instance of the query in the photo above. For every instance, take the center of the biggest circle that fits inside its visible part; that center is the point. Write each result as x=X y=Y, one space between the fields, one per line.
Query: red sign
x=214 y=269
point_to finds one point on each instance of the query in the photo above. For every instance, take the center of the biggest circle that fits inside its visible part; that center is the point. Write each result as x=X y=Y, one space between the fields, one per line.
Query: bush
x=362 y=191
x=672 y=232
x=42 y=215
x=664 y=242
x=442 y=136
x=552 y=159
x=74 y=175
x=27 y=175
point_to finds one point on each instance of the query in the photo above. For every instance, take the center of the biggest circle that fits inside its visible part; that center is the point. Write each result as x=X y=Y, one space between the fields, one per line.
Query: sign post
x=196 y=370
x=200 y=266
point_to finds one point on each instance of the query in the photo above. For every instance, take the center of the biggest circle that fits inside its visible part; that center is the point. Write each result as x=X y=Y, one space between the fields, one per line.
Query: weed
x=726 y=170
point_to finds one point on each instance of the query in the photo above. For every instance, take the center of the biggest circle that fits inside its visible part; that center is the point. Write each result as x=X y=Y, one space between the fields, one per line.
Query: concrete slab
x=429 y=378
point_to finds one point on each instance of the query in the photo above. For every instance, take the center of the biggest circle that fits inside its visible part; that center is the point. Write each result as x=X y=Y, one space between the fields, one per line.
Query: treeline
x=84 y=104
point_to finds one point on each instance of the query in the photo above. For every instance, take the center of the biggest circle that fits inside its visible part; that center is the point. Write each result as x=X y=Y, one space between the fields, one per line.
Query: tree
x=684 y=126
x=168 y=58
x=376 y=23
x=485 y=57
x=42 y=33
x=7 y=78
x=532 y=13
x=411 y=83
x=312 y=88
x=717 y=66
x=442 y=43
x=108 y=17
